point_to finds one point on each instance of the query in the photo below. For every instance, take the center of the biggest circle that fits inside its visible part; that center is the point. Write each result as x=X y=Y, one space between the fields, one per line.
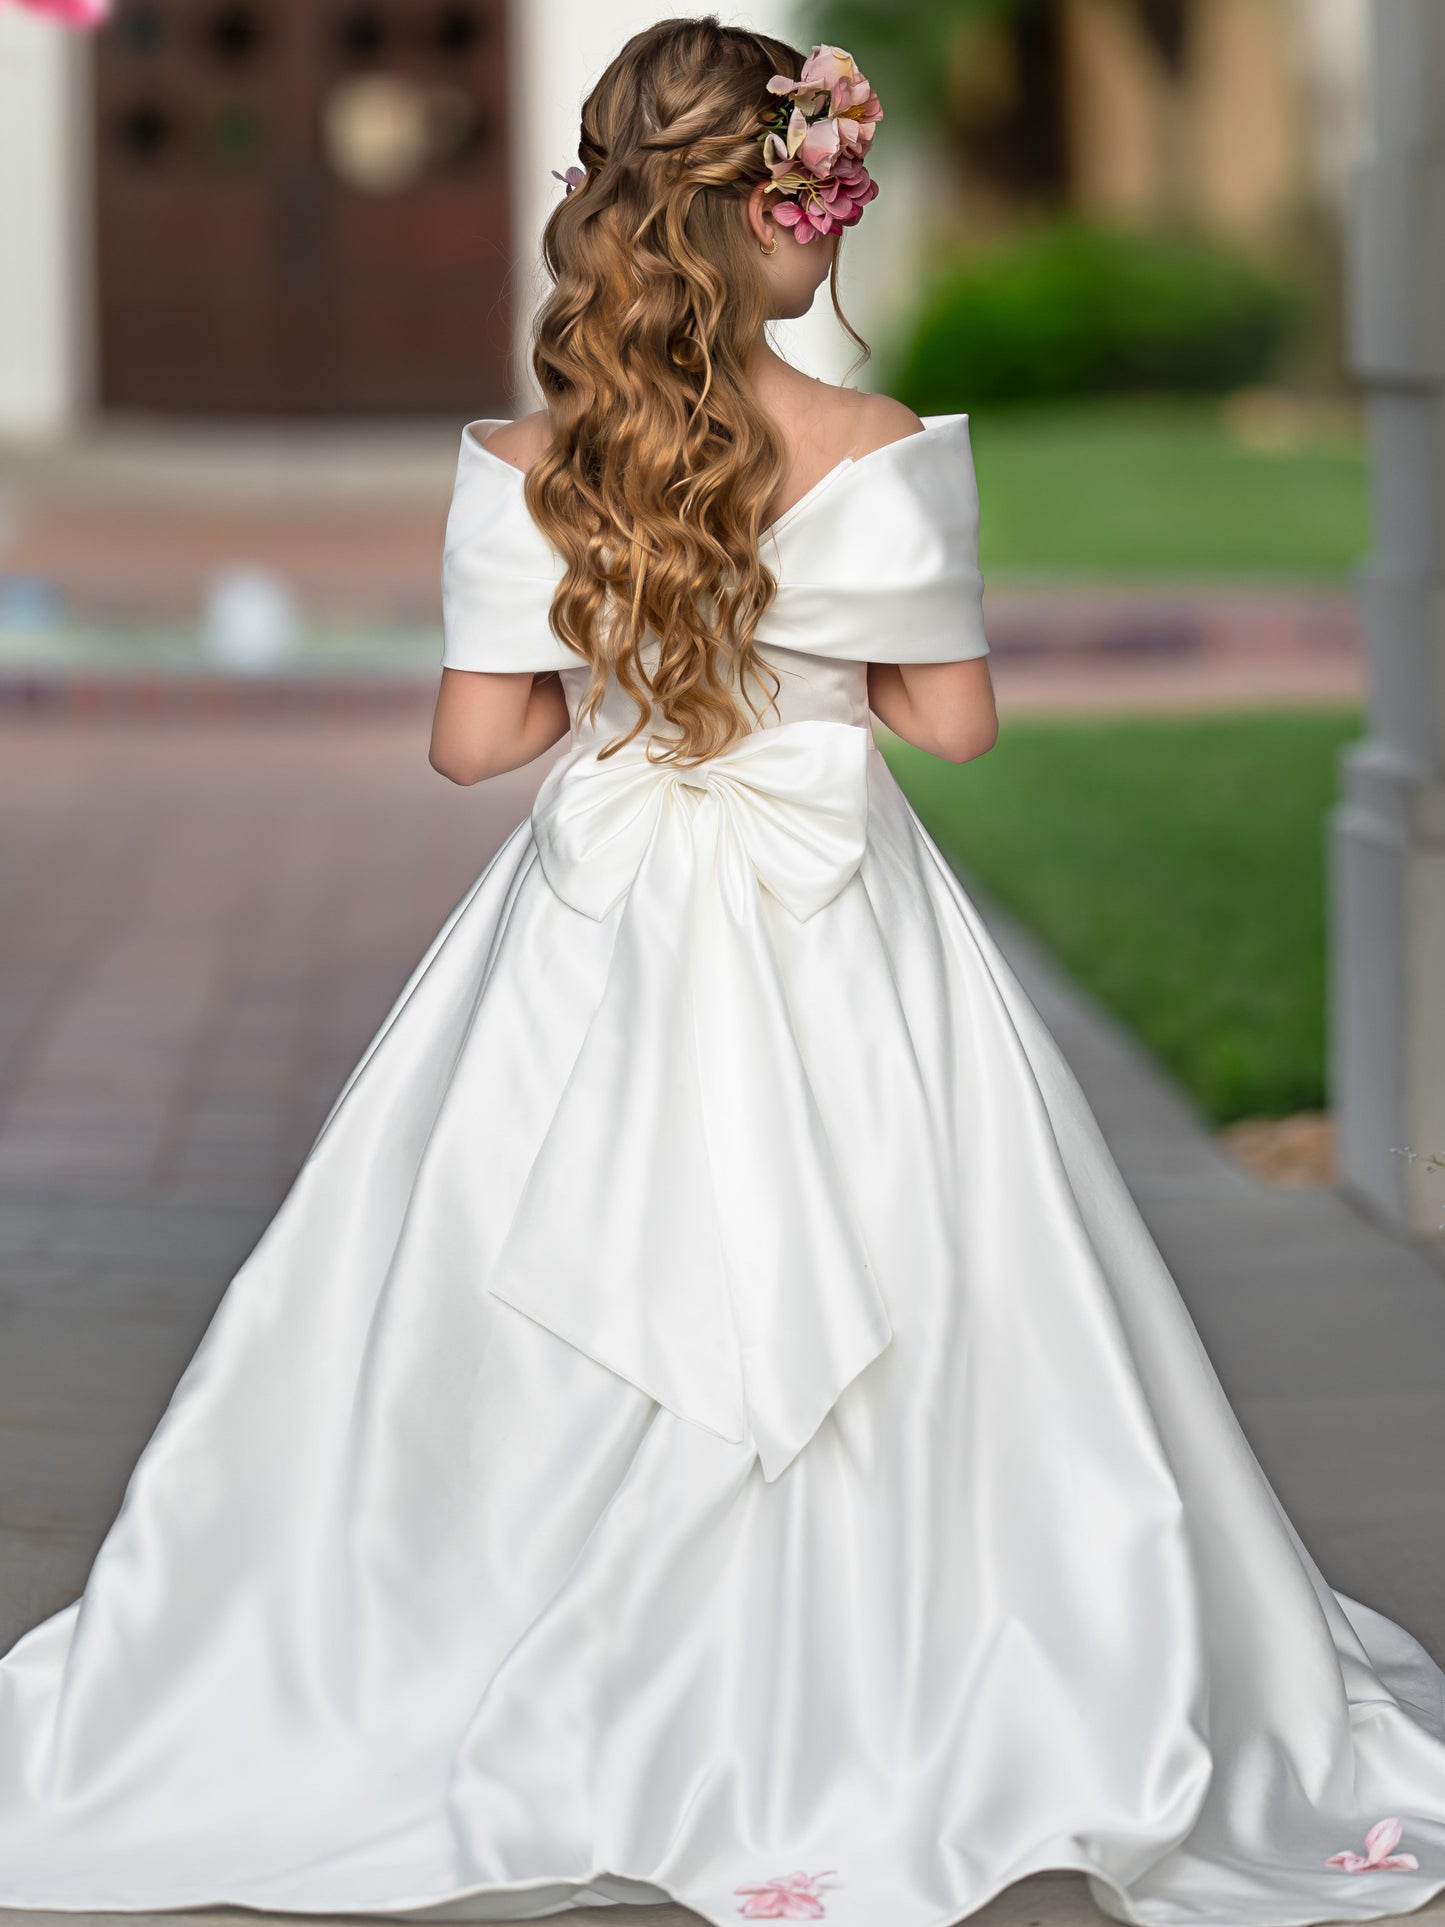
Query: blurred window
x=141 y=30
x=234 y=33
x=361 y=33
x=459 y=29
x=145 y=131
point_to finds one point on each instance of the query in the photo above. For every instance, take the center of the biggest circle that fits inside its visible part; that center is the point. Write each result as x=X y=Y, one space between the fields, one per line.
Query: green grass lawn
x=1159 y=488
x=1176 y=868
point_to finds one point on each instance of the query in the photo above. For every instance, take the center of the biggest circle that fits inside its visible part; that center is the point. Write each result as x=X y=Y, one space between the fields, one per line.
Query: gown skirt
x=709 y=1422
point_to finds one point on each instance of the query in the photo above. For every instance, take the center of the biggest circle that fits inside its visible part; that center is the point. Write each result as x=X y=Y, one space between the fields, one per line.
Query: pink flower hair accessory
x=815 y=144
x=792 y=1896
x=574 y=177
x=1379 y=1854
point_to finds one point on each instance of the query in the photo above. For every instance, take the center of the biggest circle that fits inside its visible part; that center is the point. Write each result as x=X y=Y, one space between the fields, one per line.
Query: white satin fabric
x=878 y=562
x=709 y=1408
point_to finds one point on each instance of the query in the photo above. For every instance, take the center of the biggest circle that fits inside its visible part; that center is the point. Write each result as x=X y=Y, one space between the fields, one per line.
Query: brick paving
x=202 y=925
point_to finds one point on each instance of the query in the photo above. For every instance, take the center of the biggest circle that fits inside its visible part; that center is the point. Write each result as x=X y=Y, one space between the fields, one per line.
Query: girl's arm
x=487 y=722
x=946 y=708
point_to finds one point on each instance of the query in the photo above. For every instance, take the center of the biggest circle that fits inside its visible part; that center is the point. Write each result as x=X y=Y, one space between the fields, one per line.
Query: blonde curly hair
x=662 y=465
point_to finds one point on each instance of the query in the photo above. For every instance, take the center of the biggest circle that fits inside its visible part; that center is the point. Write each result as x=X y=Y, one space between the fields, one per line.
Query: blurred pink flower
x=574 y=177
x=791 y=1896
x=1380 y=1844
x=73 y=13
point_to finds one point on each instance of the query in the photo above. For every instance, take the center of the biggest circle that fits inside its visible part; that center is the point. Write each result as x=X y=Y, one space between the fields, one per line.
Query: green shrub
x=1073 y=310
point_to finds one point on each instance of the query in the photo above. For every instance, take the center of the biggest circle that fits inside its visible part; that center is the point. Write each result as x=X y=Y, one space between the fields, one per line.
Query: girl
x=708 y=1421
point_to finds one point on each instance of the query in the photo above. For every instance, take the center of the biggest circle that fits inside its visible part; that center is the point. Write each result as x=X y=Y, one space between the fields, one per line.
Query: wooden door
x=302 y=205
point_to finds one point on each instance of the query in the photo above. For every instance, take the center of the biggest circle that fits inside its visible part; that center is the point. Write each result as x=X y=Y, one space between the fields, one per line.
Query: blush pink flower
x=1379 y=1854
x=829 y=67
x=855 y=121
x=71 y=13
x=830 y=78
x=819 y=147
x=791 y=1896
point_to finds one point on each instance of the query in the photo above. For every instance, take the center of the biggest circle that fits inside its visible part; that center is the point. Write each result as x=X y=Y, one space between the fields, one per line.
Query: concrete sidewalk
x=199 y=929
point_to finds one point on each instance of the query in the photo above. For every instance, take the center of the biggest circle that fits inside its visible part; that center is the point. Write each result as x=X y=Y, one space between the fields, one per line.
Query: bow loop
x=793 y=801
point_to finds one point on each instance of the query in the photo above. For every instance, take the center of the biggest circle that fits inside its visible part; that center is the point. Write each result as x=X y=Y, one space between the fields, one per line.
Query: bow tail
x=806 y=1304
x=611 y=1246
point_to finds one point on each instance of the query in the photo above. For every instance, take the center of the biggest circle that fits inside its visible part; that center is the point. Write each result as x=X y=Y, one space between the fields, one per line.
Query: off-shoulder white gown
x=708 y=1411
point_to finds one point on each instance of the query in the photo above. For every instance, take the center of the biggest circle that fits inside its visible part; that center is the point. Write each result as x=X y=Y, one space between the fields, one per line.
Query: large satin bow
x=684 y=1221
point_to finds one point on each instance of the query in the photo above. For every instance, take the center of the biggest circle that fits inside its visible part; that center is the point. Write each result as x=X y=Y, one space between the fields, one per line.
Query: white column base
x=1387 y=1033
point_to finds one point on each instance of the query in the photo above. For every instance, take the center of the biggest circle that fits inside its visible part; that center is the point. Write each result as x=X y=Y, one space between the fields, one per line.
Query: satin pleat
x=417 y=1603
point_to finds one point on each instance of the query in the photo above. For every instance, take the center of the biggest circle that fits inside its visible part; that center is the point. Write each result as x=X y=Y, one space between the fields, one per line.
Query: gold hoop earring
x=772 y=250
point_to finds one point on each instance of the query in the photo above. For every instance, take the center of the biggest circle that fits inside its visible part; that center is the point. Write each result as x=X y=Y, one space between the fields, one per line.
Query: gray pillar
x=1387 y=1025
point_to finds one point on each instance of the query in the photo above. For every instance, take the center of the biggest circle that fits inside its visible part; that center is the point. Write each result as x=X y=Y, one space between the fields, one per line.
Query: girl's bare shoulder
x=524 y=441
x=846 y=421
x=879 y=419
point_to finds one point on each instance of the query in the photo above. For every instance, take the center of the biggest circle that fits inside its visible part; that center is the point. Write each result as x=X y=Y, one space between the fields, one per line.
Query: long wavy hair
x=662 y=465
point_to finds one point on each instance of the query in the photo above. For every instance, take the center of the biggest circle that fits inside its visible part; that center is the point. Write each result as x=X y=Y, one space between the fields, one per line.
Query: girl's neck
x=769 y=375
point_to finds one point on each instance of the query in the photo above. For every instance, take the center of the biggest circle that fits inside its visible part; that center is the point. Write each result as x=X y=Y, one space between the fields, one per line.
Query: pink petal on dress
x=1377 y=1857
x=1383 y=1838
x=791 y=1896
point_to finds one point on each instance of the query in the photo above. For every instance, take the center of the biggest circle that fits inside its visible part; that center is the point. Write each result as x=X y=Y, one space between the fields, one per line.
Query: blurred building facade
x=296 y=208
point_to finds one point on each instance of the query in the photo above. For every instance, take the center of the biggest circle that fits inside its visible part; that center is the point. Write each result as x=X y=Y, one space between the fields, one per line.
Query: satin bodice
x=809 y=689
x=877 y=562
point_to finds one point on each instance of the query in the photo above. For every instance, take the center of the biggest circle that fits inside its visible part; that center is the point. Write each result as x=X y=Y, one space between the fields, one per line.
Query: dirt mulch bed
x=1296 y=1152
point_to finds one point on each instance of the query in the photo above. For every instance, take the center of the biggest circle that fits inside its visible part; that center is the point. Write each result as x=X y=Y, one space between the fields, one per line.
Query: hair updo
x=662 y=465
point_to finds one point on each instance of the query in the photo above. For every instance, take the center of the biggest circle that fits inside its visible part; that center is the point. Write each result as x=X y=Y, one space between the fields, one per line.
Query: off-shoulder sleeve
x=880 y=564
x=498 y=572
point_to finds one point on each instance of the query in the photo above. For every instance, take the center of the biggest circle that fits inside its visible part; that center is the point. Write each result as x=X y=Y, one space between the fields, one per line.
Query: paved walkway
x=202 y=925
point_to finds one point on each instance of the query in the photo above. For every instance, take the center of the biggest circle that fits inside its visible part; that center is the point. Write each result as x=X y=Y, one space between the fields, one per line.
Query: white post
x=1388 y=833
x=44 y=240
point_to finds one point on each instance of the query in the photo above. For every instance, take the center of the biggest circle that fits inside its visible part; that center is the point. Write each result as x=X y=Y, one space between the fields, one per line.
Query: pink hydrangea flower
x=1379 y=1854
x=791 y=1896
x=828 y=206
x=574 y=177
x=73 y=13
